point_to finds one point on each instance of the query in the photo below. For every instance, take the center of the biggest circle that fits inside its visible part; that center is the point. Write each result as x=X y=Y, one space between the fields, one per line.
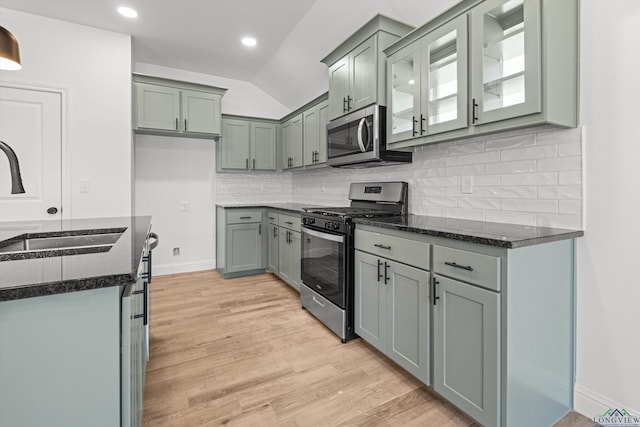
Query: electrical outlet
x=184 y=206
x=176 y=251
x=467 y=184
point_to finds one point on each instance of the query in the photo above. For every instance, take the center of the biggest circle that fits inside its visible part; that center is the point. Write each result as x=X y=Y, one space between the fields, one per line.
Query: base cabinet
x=240 y=246
x=273 y=263
x=392 y=311
x=289 y=250
x=466 y=347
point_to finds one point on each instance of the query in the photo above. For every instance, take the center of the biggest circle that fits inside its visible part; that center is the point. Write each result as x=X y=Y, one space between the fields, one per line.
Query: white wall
x=93 y=67
x=608 y=295
x=168 y=172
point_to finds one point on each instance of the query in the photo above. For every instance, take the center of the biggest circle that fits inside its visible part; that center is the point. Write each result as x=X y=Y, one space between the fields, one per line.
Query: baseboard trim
x=187 y=267
x=591 y=404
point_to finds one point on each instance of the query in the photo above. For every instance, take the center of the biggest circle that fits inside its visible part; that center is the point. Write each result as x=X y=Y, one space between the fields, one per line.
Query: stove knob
x=336 y=226
x=312 y=220
x=327 y=225
x=305 y=220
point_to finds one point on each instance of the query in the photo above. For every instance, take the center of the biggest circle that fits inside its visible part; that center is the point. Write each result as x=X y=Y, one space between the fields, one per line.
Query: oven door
x=323 y=265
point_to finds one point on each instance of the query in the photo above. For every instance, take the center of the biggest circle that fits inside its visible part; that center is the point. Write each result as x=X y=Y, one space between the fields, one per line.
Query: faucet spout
x=14 y=168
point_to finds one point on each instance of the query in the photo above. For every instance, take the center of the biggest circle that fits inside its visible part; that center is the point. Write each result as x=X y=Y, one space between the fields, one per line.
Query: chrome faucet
x=14 y=168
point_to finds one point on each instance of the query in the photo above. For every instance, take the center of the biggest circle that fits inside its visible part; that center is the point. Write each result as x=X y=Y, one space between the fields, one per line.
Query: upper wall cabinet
x=168 y=107
x=428 y=84
x=292 y=136
x=356 y=67
x=521 y=65
x=247 y=144
x=314 y=124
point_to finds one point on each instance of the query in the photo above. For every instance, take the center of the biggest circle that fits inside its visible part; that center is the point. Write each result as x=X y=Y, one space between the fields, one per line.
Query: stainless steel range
x=327 y=251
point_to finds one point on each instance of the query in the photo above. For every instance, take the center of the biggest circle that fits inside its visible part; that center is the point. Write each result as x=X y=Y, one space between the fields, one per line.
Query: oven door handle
x=321 y=235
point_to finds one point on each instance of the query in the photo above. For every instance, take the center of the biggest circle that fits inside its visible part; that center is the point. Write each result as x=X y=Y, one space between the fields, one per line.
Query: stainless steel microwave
x=358 y=140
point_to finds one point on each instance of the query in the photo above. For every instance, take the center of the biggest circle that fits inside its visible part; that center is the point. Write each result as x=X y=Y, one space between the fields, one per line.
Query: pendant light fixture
x=9 y=51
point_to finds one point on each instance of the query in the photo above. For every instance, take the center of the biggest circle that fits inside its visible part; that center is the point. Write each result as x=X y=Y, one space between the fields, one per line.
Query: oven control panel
x=325 y=224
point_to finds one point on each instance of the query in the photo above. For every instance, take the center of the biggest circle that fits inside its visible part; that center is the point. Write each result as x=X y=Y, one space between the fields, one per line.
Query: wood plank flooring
x=241 y=352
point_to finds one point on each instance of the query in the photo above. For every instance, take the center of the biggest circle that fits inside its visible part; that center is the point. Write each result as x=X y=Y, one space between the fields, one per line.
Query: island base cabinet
x=60 y=360
x=392 y=311
x=466 y=347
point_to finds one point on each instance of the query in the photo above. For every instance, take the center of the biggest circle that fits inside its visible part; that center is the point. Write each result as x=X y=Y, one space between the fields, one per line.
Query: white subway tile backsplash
x=561 y=192
x=527 y=205
x=527 y=176
x=518 y=141
x=516 y=192
x=541 y=152
x=540 y=178
x=520 y=166
x=573 y=163
x=570 y=178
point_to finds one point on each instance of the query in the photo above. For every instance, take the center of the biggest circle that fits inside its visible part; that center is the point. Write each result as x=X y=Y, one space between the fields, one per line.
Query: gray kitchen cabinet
x=292 y=136
x=247 y=145
x=466 y=347
x=273 y=262
x=392 y=310
x=174 y=108
x=356 y=67
x=522 y=68
x=427 y=93
x=503 y=319
x=315 y=121
x=289 y=250
x=240 y=244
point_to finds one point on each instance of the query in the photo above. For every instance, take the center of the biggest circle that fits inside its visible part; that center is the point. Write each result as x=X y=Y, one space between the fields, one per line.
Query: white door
x=30 y=123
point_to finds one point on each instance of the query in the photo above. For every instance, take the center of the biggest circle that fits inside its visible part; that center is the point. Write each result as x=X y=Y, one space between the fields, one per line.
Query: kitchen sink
x=38 y=245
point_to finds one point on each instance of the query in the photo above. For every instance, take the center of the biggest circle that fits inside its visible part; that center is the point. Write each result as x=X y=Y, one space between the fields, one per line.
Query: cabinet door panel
x=403 y=69
x=274 y=253
x=296 y=272
x=158 y=107
x=292 y=143
x=323 y=119
x=466 y=366
x=506 y=59
x=370 y=301
x=408 y=319
x=234 y=144
x=311 y=135
x=338 y=88
x=363 y=75
x=263 y=146
x=201 y=112
x=444 y=78
x=244 y=247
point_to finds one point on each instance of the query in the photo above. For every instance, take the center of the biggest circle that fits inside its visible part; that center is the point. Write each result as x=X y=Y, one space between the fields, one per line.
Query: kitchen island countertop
x=48 y=275
x=508 y=236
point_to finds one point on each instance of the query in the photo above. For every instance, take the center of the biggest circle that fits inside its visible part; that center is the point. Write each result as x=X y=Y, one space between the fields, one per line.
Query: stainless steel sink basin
x=37 y=245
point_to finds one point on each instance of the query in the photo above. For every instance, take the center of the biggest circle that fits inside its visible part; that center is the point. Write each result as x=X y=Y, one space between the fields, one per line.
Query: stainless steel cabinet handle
x=349 y=99
x=320 y=303
x=474 y=111
x=423 y=119
x=185 y=125
x=259 y=228
x=344 y=105
x=379 y=274
x=464 y=267
x=275 y=232
x=245 y=217
x=414 y=132
x=381 y=246
x=246 y=163
x=176 y=123
x=288 y=222
x=254 y=163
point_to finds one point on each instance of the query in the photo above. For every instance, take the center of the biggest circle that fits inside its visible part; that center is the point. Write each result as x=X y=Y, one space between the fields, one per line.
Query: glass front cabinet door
x=505 y=60
x=428 y=91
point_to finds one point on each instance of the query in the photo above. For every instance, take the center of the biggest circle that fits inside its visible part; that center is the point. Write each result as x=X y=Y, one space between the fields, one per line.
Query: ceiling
x=204 y=35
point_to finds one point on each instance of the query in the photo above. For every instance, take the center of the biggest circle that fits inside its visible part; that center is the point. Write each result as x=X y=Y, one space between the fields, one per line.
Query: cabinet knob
x=52 y=210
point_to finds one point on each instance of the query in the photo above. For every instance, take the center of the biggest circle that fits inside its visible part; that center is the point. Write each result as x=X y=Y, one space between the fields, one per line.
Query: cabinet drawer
x=406 y=251
x=242 y=216
x=482 y=270
x=289 y=221
x=272 y=217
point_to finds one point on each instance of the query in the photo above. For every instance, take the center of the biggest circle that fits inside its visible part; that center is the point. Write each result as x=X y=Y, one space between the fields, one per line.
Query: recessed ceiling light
x=249 y=41
x=127 y=12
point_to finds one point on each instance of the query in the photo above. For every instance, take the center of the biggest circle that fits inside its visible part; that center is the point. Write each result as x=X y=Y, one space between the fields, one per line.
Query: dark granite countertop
x=283 y=206
x=25 y=278
x=486 y=233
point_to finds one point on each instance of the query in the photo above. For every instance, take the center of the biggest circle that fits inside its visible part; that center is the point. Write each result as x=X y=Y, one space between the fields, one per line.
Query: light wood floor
x=242 y=352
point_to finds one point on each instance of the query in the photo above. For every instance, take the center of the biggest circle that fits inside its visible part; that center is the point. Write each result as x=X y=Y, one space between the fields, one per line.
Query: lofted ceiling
x=203 y=36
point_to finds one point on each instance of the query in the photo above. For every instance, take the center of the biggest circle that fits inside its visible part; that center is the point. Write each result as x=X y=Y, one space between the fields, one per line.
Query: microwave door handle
x=362 y=123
